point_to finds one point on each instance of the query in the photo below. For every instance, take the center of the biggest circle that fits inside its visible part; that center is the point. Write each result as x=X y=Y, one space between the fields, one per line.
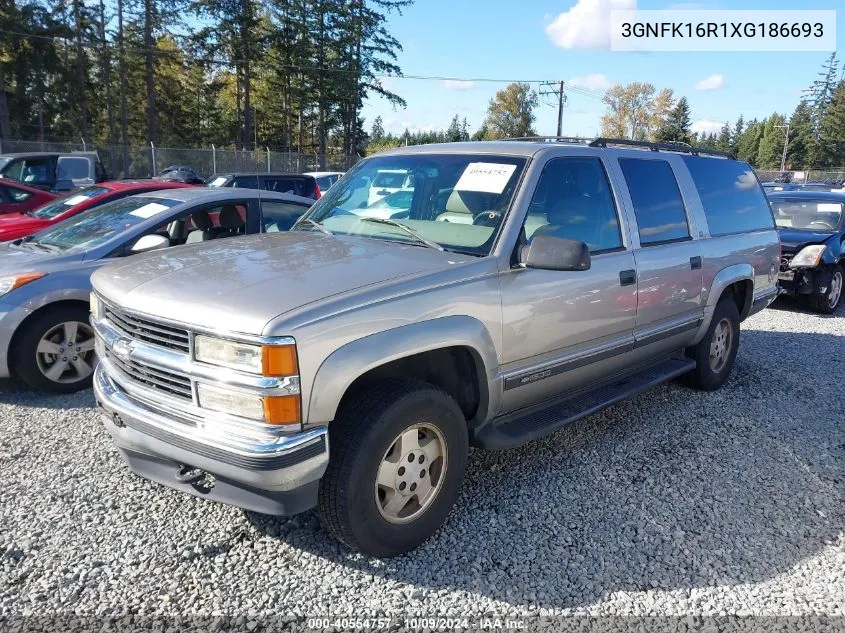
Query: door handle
x=628 y=277
x=695 y=262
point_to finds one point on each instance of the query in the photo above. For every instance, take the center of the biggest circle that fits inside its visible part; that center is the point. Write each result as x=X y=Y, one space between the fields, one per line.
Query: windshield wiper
x=408 y=230
x=315 y=224
x=47 y=247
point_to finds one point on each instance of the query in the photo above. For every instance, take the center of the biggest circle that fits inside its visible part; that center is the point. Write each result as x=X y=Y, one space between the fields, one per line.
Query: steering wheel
x=819 y=224
x=487 y=218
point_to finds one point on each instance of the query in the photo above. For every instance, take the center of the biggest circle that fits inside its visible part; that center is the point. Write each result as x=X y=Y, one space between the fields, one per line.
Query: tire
x=709 y=373
x=366 y=441
x=64 y=369
x=827 y=302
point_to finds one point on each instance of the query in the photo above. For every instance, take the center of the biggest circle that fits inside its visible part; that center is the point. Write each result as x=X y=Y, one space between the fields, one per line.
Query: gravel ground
x=674 y=503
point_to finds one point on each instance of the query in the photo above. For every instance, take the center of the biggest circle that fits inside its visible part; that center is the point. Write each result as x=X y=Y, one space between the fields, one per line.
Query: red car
x=17 y=225
x=16 y=197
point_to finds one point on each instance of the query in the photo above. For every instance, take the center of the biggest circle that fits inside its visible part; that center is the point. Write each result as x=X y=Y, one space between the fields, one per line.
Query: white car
x=325 y=179
x=386 y=182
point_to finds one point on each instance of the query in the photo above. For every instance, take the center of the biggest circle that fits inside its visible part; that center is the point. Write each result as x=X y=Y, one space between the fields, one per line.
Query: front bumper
x=281 y=479
x=11 y=316
x=805 y=281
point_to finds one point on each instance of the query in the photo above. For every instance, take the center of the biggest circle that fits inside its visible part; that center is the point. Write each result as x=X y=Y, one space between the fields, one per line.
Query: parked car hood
x=15 y=225
x=14 y=259
x=239 y=285
x=796 y=239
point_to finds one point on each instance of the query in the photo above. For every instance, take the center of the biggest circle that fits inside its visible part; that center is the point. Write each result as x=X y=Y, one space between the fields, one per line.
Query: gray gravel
x=676 y=502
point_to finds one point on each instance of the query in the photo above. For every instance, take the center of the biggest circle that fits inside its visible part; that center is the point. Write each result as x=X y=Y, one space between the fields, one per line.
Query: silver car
x=351 y=362
x=45 y=337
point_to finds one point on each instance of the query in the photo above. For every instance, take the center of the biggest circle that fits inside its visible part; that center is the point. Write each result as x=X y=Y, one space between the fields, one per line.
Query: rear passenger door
x=667 y=255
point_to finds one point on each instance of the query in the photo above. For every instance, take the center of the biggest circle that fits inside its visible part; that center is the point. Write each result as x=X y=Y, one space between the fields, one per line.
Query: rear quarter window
x=732 y=198
x=660 y=211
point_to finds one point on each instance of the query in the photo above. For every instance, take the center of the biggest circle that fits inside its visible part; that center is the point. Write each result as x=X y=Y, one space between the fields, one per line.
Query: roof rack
x=550 y=139
x=656 y=147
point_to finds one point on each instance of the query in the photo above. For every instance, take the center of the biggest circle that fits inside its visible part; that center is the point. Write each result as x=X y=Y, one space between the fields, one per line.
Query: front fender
x=354 y=359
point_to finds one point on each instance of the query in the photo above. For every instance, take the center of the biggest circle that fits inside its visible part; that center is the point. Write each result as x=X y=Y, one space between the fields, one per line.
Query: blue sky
x=508 y=39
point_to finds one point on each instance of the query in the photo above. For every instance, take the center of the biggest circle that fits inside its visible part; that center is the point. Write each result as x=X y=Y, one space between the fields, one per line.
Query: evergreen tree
x=723 y=141
x=676 y=126
x=748 y=143
x=820 y=94
x=377 y=132
x=803 y=147
x=770 y=148
x=832 y=133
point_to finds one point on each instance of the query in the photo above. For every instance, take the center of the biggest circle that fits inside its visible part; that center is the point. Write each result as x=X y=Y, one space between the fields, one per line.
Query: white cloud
x=593 y=81
x=457 y=84
x=713 y=82
x=707 y=126
x=587 y=24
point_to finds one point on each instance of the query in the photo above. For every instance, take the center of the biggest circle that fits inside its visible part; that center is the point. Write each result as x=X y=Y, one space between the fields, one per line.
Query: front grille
x=785 y=258
x=148 y=331
x=155 y=378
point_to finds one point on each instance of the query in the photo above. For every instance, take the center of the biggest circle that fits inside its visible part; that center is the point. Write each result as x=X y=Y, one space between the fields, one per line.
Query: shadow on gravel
x=785 y=303
x=673 y=490
x=16 y=393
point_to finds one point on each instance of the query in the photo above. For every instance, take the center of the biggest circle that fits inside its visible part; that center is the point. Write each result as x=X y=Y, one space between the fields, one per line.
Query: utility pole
x=555 y=88
x=785 y=145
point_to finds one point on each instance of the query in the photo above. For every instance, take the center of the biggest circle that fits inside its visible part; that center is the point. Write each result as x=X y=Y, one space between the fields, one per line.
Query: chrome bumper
x=275 y=478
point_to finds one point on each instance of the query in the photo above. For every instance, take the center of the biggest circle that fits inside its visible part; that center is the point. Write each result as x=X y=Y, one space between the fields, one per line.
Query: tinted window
x=10 y=194
x=280 y=216
x=31 y=170
x=246 y=182
x=57 y=207
x=293 y=185
x=732 y=198
x=73 y=168
x=573 y=199
x=660 y=211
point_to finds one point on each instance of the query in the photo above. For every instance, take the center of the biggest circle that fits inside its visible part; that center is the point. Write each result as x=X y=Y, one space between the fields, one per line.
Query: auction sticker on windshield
x=485 y=177
x=149 y=210
x=75 y=200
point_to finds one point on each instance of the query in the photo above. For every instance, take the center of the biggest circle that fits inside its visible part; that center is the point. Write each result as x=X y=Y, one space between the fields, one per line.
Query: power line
x=555 y=88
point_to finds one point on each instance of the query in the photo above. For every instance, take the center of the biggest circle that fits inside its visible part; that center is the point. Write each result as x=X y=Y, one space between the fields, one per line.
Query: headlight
x=7 y=284
x=808 y=257
x=267 y=409
x=265 y=360
x=96 y=307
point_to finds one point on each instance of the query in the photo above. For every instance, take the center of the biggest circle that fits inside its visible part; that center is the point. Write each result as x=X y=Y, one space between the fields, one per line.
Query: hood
x=15 y=260
x=240 y=284
x=793 y=240
x=15 y=225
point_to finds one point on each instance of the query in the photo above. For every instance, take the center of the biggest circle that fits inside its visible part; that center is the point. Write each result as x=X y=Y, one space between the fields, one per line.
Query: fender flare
x=343 y=366
x=724 y=278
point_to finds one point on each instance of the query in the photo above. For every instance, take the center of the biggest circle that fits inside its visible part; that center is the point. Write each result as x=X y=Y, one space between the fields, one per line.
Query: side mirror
x=550 y=252
x=63 y=185
x=151 y=242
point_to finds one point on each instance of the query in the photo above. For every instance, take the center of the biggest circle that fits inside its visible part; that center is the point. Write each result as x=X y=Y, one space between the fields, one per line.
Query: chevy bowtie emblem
x=122 y=347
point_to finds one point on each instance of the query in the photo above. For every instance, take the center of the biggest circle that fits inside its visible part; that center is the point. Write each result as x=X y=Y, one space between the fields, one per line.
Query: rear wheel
x=398 y=457
x=827 y=302
x=715 y=354
x=55 y=351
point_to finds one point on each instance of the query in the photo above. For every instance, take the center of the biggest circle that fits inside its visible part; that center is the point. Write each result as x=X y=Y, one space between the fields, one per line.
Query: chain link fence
x=144 y=162
x=809 y=175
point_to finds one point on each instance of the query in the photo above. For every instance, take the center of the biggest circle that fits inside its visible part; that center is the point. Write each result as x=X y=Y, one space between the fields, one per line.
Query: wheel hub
x=65 y=353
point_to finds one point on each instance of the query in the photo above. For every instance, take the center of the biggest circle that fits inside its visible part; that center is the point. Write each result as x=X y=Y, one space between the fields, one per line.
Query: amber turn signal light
x=279 y=360
x=281 y=409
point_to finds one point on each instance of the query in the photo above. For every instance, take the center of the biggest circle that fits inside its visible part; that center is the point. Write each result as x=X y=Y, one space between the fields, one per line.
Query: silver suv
x=350 y=363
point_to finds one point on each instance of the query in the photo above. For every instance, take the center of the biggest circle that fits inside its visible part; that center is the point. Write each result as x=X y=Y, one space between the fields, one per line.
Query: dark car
x=180 y=173
x=16 y=197
x=812 y=235
x=296 y=184
x=56 y=171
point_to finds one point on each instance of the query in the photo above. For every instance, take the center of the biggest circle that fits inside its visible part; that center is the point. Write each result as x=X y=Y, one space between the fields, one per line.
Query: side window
x=280 y=216
x=16 y=195
x=73 y=168
x=573 y=199
x=5 y=195
x=202 y=225
x=36 y=171
x=660 y=211
x=246 y=182
x=730 y=194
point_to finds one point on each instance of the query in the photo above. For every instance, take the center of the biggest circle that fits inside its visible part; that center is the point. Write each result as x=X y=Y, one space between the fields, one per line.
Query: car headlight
x=96 y=307
x=808 y=257
x=7 y=284
x=265 y=360
x=267 y=409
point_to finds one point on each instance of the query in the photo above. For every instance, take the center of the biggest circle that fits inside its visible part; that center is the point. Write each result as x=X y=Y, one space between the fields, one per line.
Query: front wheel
x=398 y=457
x=715 y=354
x=827 y=302
x=55 y=351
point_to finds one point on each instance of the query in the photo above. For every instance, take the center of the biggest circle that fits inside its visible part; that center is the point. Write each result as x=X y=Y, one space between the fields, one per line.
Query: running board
x=523 y=426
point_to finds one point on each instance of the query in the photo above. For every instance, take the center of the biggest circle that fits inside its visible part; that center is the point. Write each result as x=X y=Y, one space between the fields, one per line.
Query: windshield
x=456 y=201
x=218 y=181
x=96 y=227
x=811 y=215
x=57 y=207
x=4 y=162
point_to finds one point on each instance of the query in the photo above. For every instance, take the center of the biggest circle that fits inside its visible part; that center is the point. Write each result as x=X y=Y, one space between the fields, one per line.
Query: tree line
x=288 y=74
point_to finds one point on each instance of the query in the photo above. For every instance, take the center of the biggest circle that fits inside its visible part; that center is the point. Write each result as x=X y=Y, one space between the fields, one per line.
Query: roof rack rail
x=550 y=139
x=656 y=147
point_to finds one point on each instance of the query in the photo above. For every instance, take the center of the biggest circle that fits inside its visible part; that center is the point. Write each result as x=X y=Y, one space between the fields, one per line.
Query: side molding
x=354 y=359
